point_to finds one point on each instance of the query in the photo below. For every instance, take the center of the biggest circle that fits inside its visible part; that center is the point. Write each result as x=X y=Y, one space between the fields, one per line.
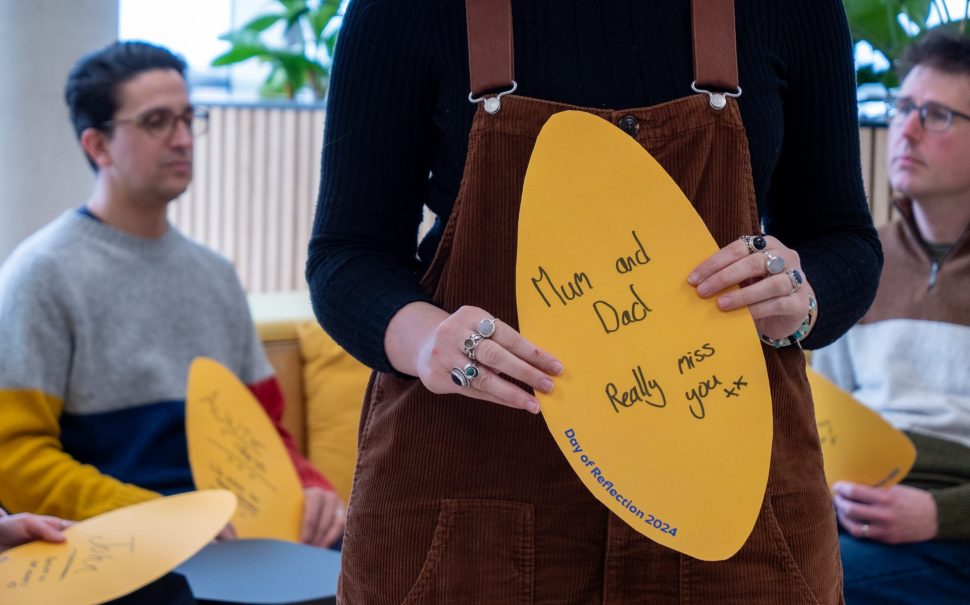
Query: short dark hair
x=940 y=49
x=93 y=84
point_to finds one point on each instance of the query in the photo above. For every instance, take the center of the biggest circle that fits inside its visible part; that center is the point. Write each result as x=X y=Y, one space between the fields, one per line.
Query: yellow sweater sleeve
x=37 y=476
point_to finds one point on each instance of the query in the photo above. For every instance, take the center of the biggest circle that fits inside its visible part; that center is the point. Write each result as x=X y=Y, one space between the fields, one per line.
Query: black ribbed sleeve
x=398 y=120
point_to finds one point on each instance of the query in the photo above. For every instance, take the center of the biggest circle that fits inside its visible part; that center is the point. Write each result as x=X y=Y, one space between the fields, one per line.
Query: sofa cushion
x=334 y=384
x=284 y=356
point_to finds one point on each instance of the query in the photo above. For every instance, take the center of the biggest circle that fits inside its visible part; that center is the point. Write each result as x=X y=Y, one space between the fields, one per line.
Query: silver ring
x=458 y=377
x=796 y=279
x=773 y=264
x=865 y=530
x=755 y=243
x=486 y=327
x=470 y=343
x=463 y=377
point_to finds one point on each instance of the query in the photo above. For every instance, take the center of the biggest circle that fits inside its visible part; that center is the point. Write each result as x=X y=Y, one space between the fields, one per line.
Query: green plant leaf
x=294 y=67
x=275 y=85
x=889 y=79
x=262 y=23
x=297 y=62
x=295 y=9
x=917 y=10
x=242 y=37
x=320 y=18
x=240 y=53
x=877 y=23
x=294 y=63
x=866 y=74
x=293 y=5
x=331 y=44
x=871 y=21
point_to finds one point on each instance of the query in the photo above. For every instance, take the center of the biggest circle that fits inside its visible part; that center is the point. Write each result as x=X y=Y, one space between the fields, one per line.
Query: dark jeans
x=927 y=573
x=170 y=589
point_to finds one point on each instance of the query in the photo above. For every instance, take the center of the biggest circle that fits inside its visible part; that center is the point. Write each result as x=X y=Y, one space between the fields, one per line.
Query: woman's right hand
x=425 y=341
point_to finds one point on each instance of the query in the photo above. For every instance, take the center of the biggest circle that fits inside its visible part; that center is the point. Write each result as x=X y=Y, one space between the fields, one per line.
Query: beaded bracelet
x=800 y=333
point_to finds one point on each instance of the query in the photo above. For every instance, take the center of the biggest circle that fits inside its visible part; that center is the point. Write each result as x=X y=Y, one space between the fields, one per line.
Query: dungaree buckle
x=492 y=103
x=718 y=99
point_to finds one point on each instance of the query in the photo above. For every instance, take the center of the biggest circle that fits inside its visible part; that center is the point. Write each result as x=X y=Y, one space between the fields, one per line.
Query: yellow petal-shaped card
x=664 y=409
x=233 y=445
x=858 y=444
x=111 y=555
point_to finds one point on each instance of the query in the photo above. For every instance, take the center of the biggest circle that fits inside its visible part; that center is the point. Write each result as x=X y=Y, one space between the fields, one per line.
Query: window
x=192 y=29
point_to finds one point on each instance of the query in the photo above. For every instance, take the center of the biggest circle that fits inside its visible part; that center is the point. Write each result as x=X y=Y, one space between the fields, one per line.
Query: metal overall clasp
x=492 y=103
x=718 y=98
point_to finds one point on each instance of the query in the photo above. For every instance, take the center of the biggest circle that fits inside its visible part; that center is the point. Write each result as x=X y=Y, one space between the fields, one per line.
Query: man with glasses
x=909 y=357
x=103 y=310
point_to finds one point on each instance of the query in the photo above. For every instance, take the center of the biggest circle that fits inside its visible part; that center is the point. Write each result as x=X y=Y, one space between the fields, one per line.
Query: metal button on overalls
x=629 y=125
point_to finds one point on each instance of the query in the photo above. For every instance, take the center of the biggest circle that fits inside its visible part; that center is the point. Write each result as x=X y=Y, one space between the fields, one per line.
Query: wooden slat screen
x=256 y=176
x=875 y=172
x=253 y=195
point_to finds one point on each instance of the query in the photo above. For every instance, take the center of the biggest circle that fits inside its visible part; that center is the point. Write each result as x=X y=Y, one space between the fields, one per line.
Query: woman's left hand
x=775 y=292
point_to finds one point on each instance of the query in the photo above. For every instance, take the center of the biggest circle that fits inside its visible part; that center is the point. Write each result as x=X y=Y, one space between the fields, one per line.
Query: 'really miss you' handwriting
x=650 y=392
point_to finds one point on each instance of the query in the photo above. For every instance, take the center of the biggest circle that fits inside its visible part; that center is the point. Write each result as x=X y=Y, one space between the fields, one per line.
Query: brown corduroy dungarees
x=460 y=501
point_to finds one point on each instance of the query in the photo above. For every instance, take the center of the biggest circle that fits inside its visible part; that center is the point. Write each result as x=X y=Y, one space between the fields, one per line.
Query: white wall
x=42 y=169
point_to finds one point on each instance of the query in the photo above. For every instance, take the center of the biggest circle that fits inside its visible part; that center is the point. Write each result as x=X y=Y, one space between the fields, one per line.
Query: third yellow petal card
x=664 y=409
x=858 y=444
x=233 y=445
x=114 y=553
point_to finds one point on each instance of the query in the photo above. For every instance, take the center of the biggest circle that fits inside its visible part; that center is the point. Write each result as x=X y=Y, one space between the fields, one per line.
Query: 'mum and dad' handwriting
x=612 y=319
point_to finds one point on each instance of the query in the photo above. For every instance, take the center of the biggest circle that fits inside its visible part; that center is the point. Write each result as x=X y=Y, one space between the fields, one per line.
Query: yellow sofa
x=322 y=384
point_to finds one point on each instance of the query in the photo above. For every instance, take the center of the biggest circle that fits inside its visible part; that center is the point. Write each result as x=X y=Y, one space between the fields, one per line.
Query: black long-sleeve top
x=398 y=118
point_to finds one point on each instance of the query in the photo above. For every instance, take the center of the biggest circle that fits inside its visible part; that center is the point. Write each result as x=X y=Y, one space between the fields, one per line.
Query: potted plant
x=889 y=26
x=300 y=59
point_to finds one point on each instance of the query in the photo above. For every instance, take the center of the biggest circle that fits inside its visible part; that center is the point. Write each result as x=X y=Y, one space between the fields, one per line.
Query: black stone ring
x=458 y=377
x=755 y=243
x=796 y=279
x=464 y=377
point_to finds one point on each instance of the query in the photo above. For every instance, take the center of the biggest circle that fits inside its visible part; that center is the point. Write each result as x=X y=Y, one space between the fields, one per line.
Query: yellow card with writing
x=113 y=554
x=664 y=410
x=858 y=444
x=233 y=445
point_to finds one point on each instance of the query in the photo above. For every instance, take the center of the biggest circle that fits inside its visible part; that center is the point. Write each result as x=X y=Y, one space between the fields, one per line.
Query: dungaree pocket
x=482 y=551
x=783 y=544
x=766 y=569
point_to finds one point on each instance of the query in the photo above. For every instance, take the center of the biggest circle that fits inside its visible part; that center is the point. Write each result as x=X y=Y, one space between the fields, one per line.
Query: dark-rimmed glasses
x=933 y=117
x=160 y=122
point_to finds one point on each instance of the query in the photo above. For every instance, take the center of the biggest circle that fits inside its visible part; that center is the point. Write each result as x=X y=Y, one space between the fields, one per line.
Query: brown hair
x=941 y=49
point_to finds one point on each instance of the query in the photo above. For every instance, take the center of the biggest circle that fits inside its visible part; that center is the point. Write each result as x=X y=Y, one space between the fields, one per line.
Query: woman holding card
x=459 y=495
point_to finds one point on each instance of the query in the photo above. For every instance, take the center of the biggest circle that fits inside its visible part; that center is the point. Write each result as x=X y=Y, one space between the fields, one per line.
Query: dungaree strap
x=491 y=56
x=715 y=49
